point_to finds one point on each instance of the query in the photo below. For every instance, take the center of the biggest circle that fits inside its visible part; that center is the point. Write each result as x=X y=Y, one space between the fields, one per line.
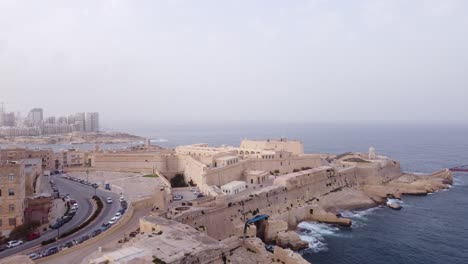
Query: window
x=11 y=177
x=11 y=207
x=12 y=221
x=0 y=192
x=1 y=222
x=11 y=192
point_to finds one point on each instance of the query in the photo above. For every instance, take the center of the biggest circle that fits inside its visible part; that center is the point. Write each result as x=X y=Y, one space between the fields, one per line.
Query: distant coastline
x=73 y=138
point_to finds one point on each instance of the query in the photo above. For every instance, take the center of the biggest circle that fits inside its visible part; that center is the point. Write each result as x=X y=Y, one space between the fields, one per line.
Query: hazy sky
x=237 y=60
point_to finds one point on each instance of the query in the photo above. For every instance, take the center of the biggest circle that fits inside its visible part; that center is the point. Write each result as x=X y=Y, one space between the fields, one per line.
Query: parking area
x=134 y=186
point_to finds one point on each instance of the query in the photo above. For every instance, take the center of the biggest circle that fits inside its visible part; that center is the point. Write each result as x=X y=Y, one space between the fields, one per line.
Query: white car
x=121 y=199
x=75 y=207
x=14 y=243
x=177 y=197
x=113 y=220
x=109 y=200
x=118 y=215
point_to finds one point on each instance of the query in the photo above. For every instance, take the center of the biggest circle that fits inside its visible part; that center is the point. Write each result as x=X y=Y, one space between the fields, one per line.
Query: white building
x=233 y=187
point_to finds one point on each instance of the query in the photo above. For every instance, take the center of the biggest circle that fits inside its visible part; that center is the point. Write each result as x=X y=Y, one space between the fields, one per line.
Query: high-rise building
x=92 y=122
x=9 y=119
x=35 y=117
x=79 y=120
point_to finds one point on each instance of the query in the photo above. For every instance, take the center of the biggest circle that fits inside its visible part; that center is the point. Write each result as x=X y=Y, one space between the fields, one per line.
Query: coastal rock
x=422 y=184
x=288 y=256
x=330 y=218
x=273 y=228
x=256 y=245
x=290 y=240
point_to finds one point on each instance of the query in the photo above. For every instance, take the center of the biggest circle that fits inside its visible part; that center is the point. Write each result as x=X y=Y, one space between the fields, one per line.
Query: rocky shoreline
x=362 y=197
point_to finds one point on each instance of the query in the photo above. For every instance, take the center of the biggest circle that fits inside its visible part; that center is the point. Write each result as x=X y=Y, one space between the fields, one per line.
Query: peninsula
x=229 y=204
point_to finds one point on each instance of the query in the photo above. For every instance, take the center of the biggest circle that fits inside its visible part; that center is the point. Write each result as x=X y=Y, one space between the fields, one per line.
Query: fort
x=271 y=177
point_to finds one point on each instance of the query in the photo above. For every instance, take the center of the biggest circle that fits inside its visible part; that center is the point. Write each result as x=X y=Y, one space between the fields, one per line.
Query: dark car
x=82 y=239
x=51 y=251
x=105 y=226
x=32 y=236
x=67 y=218
x=96 y=232
x=69 y=244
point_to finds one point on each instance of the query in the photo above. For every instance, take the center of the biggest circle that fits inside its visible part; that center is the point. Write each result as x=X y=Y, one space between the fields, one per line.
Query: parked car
x=118 y=215
x=68 y=244
x=105 y=226
x=82 y=239
x=177 y=197
x=14 y=243
x=34 y=256
x=67 y=219
x=51 y=251
x=96 y=232
x=109 y=200
x=121 y=199
x=113 y=220
x=32 y=236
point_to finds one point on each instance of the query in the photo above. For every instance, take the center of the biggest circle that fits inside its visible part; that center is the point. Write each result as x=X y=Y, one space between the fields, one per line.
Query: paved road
x=82 y=194
x=77 y=256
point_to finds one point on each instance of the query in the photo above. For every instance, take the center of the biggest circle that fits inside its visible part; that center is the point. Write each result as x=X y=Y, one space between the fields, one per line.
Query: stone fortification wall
x=128 y=161
x=279 y=202
x=378 y=172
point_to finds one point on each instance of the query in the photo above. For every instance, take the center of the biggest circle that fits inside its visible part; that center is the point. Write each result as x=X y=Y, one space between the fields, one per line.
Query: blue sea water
x=430 y=229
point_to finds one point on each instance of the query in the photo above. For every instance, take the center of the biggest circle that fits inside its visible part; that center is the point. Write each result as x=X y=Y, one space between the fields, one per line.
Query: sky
x=302 y=60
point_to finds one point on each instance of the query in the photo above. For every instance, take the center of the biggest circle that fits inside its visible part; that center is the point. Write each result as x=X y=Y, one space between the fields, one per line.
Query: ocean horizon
x=430 y=229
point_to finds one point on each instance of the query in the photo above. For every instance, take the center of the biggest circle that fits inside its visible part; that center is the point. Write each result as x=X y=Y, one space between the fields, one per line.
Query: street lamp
x=95 y=186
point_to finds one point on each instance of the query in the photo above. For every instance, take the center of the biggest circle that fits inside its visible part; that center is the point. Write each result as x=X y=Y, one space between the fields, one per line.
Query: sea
x=429 y=229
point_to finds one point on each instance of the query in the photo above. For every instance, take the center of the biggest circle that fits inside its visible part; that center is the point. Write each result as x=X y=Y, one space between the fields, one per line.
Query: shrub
x=100 y=206
x=23 y=230
x=178 y=181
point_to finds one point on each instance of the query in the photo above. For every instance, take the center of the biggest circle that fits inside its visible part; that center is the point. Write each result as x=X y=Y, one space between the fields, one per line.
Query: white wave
x=361 y=214
x=394 y=201
x=314 y=233
x=459 y=182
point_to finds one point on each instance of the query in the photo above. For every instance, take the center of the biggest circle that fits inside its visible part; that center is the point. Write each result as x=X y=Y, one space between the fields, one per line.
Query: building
x=35 y=117
x=12 y=195
x=45 y=155
x=9 y=119
x=92 y=122
x=233 y=187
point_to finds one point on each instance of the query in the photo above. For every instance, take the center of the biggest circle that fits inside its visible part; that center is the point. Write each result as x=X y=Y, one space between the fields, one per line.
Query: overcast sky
x=237 y=60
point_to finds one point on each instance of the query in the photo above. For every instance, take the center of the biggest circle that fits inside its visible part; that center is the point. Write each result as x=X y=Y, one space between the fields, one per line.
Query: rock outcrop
x=291 y=240
x=274 y=227
x=288 y=256
x=330 y=218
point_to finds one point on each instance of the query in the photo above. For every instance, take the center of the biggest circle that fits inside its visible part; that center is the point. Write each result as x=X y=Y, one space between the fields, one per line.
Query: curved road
x=82 y=194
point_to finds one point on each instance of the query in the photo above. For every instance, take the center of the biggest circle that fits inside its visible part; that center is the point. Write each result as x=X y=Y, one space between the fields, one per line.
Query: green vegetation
x=178 y=181
x=191 y=183
x=23 y=230
x=158 y=261
x=151 y=176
